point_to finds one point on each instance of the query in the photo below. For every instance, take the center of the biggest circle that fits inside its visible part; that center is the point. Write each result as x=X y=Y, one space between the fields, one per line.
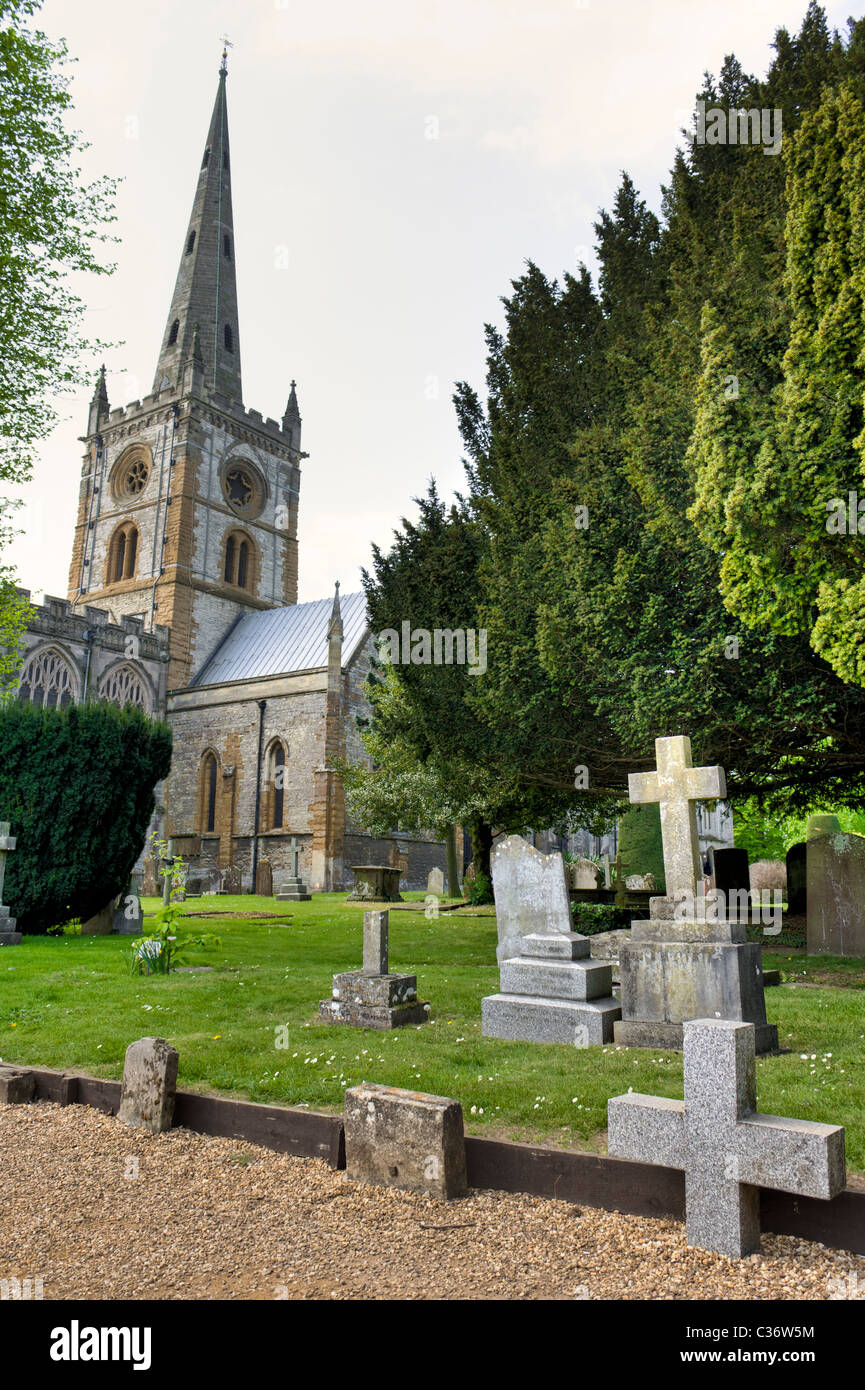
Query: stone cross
x=677 y=785
x=7 y=845
x=727 y=1150
x=375 y=943
x=294 y=846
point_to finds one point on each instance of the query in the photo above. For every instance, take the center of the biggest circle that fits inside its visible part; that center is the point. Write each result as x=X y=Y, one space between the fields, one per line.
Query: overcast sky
x=401 y=160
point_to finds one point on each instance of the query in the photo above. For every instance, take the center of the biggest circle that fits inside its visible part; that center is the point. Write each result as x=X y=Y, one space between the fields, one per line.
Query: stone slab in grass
x=405 y=1139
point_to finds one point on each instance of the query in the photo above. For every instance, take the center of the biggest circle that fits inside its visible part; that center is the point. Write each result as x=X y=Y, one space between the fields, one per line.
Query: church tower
x=187 y=514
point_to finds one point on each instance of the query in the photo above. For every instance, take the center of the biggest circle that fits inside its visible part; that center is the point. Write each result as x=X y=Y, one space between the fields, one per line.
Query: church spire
x=205 y=292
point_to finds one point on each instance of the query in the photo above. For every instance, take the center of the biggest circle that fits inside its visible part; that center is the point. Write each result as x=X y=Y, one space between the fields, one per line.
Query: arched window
x=122 y=553
x=207 y=793
x=274 y=787
x=190 y=244
x=124 y=686
x=175 y=329
x=228 y=339
x=240 y=564
x=46 y=679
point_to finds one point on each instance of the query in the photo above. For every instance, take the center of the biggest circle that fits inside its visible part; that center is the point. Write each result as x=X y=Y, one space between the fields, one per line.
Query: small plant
x=72 y=928
x=165 y=948
x=480 y=889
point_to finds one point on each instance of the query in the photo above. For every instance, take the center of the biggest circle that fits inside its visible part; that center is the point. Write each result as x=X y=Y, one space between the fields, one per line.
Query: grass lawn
x=70 y=1002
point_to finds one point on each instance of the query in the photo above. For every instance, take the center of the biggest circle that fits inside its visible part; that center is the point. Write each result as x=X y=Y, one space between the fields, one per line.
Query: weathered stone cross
x=7 y=844
x=294 y=846
x=375 y=943
x=727 y=1150
x=677 y=784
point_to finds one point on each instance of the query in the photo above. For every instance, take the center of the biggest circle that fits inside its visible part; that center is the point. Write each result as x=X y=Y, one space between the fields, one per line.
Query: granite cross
x=727 y=1150
x=677 y=785
x=375 y=943
x=7 y=844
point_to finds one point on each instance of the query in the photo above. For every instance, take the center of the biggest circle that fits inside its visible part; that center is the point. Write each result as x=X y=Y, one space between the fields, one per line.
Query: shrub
x=77 y=786
x=590 y=919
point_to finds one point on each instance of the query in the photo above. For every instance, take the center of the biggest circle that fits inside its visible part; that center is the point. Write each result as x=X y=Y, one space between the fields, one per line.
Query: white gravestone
x=531 y=893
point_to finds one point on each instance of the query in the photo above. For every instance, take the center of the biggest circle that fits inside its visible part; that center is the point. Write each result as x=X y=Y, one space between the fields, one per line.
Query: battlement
x=235 y=410
x=57 y=618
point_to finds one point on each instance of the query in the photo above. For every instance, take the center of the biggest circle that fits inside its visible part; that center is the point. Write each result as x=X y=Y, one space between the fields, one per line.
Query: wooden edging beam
x=594 y=1180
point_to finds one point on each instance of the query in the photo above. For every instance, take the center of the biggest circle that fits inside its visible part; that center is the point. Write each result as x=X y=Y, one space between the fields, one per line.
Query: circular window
x=243 y=489
x=131 y=473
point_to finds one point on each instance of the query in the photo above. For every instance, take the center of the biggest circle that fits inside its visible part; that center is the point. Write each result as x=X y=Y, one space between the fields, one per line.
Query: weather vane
x=226 y=44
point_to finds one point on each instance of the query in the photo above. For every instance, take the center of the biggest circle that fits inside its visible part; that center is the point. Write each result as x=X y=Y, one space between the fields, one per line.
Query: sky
x=394 y=165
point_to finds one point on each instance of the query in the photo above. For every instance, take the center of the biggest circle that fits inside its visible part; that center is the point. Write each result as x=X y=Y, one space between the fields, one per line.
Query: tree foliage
x=77 y=786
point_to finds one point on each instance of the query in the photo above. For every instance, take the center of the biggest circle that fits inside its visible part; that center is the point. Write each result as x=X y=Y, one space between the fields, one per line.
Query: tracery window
x=124 y=686
x=47 y=680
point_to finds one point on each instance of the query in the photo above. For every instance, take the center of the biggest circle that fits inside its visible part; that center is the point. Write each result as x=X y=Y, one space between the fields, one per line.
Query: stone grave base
x=553 y=992
x=524 y=1018
x=293 y=890
x=374 y=1001
x=669 y=1036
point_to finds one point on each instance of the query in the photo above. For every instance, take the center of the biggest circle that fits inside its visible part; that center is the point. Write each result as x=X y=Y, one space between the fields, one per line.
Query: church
x=183 y=597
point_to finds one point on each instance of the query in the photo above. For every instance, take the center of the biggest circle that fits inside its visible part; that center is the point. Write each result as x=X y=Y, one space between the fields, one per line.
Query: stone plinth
x=835 y=893
x=553 y=992
x=405 y=1139
x=672 y=971
x=727 y=1150
x=375 y=883
x=373 y=997
x=293 y=890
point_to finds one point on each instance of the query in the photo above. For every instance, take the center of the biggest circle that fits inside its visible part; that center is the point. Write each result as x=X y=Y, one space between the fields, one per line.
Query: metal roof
x=279 y=641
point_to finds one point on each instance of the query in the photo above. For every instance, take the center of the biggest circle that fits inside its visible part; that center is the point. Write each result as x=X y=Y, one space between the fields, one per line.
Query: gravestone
x=551 y=989
x=150 y=880
x=684 y=962
x=822 y=824
x=372 y=997
x=584 y=875
x=264 y=879
x=797 y=879
x=293 y=889
x=405 y=1139
x=835 y=866
x=728 y=870
x=531 y=893
x=149 y=1085
x=606 y=866
x=127 y=917
x=640 y=883
x=435 y=882
x=232 y=881
x=727 y=1150
x=8 y=935
x=101 y=923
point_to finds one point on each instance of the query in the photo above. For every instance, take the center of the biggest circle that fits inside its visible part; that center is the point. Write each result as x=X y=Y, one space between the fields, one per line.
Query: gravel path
x=218 y=1218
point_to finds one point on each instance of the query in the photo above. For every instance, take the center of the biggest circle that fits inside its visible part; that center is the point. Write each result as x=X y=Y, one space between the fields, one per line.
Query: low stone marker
x=8 y=935
x=128 y=918
x=727 y=1150
x=264 y=879
x=149 y=1085
x=16 y=1087
x=372 y=997
x=584 y=875
x=435 y=882
x=405 y=1139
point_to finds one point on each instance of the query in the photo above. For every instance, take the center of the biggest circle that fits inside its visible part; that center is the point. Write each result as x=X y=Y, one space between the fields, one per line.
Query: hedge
x=77 y=786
